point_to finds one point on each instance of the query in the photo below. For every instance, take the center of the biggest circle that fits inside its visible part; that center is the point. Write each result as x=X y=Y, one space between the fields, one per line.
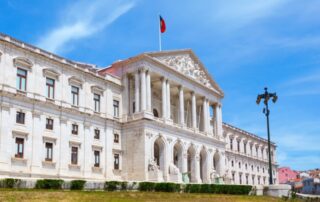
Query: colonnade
x=201 y=107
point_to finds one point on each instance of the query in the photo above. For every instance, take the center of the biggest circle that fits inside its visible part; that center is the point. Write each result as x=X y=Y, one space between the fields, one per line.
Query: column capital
x=163 y=78
x=180 y=87
x=143 y=69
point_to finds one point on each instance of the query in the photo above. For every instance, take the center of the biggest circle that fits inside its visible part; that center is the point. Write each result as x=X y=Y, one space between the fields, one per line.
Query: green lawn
x=45 y=195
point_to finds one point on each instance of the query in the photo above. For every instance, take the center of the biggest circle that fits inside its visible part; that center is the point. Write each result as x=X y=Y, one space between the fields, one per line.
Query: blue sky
x=245 y=44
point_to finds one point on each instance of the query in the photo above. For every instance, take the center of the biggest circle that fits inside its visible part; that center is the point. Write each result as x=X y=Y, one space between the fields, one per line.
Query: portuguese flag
x=162 y=25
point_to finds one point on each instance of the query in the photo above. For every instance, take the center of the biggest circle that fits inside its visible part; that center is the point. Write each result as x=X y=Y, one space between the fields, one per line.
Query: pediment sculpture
x=186 y=65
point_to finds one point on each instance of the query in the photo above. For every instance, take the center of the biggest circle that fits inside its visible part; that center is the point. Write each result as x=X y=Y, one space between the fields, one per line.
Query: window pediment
x=51 y=73
x=76 y=81
x=22 y=62
x=74 y=143
x=97 y=89
x=19 y=133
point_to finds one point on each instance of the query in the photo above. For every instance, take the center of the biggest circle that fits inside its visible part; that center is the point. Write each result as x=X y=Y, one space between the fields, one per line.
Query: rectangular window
x=231 y=145
x=20 y=117
x=21 y=79
x=75 y=95
x=74 y=155
x=96 y=158
x=97 y=134
x=49 y=151
x=20 y=147
x=96 y=99
x=116 y=138
x=115 y=108
x=116 y=161
x=50 y=88
x=74 y=129
x=49 y=124
x=238 y=145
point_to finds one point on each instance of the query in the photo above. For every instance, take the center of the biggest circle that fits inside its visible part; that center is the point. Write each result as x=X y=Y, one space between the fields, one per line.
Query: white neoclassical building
x=153 y=117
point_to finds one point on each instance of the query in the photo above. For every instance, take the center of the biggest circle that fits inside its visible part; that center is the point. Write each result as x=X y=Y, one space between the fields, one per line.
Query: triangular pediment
x=185 y=62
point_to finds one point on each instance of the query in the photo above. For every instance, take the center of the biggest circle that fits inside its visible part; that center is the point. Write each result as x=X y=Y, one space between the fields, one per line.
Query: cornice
x=87 y=69
x=256 y=137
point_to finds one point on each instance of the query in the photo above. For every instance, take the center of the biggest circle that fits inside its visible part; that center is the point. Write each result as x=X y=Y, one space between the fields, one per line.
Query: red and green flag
x=162 y=25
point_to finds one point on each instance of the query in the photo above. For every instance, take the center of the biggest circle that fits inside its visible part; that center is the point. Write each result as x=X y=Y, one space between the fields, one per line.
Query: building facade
x=285 y=174
x=153 y=117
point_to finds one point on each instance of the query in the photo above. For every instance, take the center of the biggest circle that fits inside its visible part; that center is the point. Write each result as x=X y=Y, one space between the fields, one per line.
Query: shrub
x=10 y=183
x=77 y=184
x=49 y=184
x=192 y=188
x=167 y=187
x=146 y=186
x=124 y=186
x=218 y=189
x=111 y=185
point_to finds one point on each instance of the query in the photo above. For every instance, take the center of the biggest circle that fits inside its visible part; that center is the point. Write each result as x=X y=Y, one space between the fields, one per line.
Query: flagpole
x=159 y=33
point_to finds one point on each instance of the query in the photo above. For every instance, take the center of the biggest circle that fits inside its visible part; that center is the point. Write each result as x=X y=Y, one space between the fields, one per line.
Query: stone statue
x=153 y=165
x=173 y=170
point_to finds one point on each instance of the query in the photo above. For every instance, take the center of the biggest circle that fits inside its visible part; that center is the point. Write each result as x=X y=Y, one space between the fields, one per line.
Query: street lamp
x=266 y=96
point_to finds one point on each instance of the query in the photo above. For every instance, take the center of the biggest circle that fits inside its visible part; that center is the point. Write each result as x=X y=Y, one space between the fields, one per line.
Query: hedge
x=115 y=185
x=146 y=186
x=77 y=184
x=218 y=189
x=49 y=184
x=159 y=187
x=9 y=183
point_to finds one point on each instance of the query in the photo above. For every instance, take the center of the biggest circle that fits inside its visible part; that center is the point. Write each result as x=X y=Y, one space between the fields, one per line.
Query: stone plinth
x=277 y=190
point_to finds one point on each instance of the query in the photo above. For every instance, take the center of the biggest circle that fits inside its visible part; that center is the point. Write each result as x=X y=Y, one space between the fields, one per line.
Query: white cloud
x=236 y=14
x=83 y=19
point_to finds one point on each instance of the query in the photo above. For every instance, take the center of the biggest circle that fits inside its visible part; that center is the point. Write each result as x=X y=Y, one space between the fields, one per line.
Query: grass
x=53 y=195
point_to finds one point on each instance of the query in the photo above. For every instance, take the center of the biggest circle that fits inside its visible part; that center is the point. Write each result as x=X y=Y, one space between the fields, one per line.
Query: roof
x=152 y=56
x=92 y=68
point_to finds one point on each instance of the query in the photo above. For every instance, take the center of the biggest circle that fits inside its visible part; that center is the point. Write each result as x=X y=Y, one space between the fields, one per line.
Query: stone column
x=208 y=117
x=143 y=89
x=36 y=139
x=164 y=97
x=194 y=110
x=184 y=161
x=137 y=92
x=168 y=101
x=219 y=120
x=204 y=115
x=197 y=168
x=87 y=150
x=149 y=94
x=126 y=110
x=181 y=105
x=222 y=164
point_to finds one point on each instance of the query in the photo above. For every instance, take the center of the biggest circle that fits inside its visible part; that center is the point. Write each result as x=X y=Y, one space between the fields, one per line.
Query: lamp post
x=266 y=96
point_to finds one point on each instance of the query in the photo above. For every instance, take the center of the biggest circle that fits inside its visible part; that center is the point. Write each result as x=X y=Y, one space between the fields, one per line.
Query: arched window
x=156 y=154
x=155 y=113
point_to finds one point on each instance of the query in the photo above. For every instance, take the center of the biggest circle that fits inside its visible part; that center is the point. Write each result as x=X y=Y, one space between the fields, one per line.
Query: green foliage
x=218 y=189
x=111 y=185
x=192 y=188
x=10 y=183
x=124 y=186
x=146 y=186
x=167 y=187
x=159 y=187
x=77 y=184
x=49 y=184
